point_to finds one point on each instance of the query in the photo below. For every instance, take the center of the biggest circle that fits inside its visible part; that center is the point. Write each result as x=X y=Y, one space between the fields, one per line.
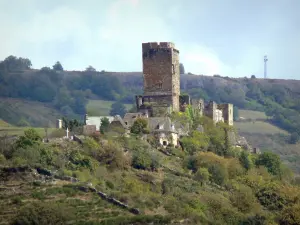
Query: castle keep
x=162 y=86
x=161 y=77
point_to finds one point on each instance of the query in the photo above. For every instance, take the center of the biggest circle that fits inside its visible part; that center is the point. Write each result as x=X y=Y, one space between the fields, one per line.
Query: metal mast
x=265 y=66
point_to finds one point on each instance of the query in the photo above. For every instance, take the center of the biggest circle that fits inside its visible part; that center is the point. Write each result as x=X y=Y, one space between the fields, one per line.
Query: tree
x=271 y=161
x=181 y=68
x=58 y=67
x=30 y=137
x=140 y=126
x=90 y=69
x=197 y=141
x=12 y=63
x=253 y=77
x=202 y=175
x=104 y=125
x=117 y=108
x=245 y=160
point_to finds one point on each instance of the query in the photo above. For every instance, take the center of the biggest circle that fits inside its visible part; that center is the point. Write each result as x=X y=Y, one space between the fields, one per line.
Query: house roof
x=161 y=124
x=118 y=118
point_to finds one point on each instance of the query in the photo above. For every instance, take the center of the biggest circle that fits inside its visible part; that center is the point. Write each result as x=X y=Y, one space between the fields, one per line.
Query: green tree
x=202 y=175
x=104 y=125
x=57 y=66
x=197 y=141
x=90 y=69
x=271 y=161
x=245 y=160
x=140 y=126
x=117 y=108
x=30 y=138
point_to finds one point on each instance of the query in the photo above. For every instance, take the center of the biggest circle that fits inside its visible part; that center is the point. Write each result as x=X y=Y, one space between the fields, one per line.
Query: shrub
x=43 y=213
x=140 y=126
x=244 y=199
x=145 y=161
x=202 y=175
x=30 y=138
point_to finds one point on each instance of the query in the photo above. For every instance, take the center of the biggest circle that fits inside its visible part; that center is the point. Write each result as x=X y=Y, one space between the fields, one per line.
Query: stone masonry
x=162 y=86
x=161 y=73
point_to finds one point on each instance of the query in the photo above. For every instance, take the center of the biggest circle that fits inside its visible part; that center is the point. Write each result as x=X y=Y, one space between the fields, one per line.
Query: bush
x=43 y=213
x=30 y=138
x=145 y=161
x=202 y=175
x=244 y=199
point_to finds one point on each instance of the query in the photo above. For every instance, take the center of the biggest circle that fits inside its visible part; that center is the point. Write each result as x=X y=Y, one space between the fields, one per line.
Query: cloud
x=213 y=37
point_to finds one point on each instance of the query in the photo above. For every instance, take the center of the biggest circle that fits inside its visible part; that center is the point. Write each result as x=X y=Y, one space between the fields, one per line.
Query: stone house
x=118 y=126
x=163 y=130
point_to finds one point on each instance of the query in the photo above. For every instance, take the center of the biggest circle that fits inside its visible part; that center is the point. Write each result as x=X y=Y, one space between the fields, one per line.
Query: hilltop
x=47 y=94
x=106 y=179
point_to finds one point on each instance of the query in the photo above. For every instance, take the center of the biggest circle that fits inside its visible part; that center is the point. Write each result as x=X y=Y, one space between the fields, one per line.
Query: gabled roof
x=118 y=118
x=161 y=124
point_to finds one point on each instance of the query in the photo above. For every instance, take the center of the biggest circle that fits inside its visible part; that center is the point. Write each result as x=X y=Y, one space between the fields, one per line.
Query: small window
x=164 y=143
x=126 y=123
x=173 y=68
x=160 y=85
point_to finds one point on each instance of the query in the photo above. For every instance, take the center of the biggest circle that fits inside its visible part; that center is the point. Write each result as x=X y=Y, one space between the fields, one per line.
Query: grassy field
x=100 y=107
x=254 y=115
x=258 y=127
x=11 y=131
x=35 y=113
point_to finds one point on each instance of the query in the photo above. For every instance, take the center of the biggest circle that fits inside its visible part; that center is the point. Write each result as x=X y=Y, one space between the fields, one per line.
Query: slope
x=25 y=113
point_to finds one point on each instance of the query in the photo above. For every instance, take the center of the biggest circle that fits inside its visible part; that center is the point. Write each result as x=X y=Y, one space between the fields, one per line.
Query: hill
x=101 y=107
x=25 y=113
x=117 y=180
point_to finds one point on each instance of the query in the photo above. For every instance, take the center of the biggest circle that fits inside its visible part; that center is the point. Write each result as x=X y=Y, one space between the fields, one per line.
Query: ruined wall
x=210 y=110
x=161 y=71
x=227 y=110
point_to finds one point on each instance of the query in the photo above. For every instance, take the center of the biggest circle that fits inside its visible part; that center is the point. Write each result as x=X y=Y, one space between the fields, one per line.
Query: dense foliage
x=66 y=91
x=206 y=182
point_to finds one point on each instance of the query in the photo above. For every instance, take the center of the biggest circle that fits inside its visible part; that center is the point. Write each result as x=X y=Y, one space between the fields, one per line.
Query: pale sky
x=226 y=37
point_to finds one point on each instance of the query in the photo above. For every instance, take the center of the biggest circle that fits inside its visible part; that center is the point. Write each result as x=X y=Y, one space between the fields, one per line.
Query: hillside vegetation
x=271 y=107
x=25 y=113
x=207 y=183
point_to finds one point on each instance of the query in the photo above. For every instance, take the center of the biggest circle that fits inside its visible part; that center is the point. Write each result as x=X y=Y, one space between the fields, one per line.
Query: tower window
x=159 y=85
x=173 y=68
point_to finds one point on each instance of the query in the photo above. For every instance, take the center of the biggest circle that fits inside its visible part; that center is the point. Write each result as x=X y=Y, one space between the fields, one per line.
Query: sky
x=225 y=37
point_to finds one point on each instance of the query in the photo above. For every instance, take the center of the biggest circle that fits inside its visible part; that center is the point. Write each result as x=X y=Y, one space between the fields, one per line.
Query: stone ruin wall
x=161 y=71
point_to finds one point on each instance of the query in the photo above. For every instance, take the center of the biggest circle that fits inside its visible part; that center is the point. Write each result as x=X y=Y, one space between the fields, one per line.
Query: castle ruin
x=162 y=86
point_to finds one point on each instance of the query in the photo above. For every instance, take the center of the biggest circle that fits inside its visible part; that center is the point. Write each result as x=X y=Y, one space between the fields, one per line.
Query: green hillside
x=101 y=107
x=98 y=182
x=25 y=113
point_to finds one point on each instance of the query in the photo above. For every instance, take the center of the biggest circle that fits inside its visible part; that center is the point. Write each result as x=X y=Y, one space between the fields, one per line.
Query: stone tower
x=161 y=72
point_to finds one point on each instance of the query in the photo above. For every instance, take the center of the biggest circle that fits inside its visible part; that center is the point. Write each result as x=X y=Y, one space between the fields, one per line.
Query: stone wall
x=161 y=71
x=227 y=110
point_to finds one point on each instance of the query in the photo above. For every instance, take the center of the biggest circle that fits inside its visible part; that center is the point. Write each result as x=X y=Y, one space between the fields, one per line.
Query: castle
x=162 y=97
x=162 y=86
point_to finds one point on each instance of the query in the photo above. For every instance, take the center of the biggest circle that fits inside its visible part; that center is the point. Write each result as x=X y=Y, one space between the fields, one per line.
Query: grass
x=4 y=124
x=35 y=113
x=11 y=131
x=258 y=127
x=101 y=107
x=250 y=114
